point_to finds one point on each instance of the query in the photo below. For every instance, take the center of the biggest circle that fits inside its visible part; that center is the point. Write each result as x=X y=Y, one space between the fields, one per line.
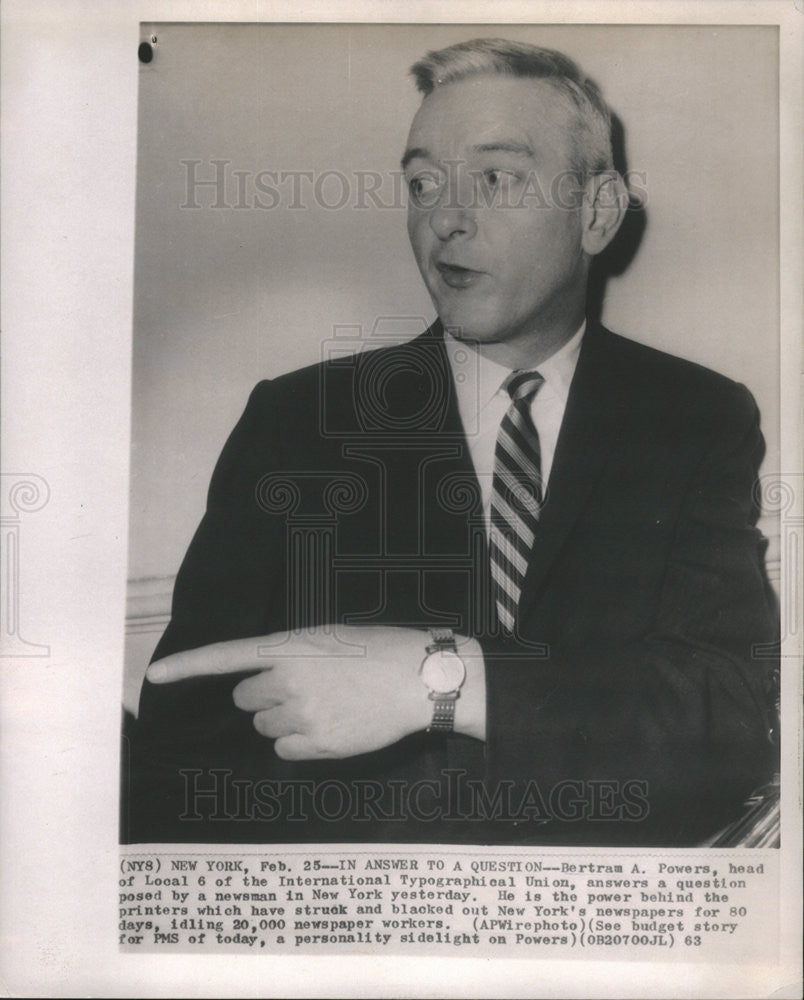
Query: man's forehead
x=484 y=108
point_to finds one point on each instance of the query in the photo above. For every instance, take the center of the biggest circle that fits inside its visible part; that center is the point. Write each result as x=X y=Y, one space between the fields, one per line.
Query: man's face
x=503 y=262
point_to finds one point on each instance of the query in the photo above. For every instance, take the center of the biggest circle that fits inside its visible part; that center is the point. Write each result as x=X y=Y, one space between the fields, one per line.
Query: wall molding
x=148 y=601
x=770 y=527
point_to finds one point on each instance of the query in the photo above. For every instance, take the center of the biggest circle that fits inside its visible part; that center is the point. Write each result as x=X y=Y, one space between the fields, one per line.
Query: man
x=500 y=584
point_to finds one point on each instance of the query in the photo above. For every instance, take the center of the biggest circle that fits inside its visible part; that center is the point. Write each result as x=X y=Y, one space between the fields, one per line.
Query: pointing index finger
x=218 y=658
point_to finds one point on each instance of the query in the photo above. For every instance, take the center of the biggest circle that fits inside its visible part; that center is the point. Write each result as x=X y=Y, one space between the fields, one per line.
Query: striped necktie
x=516 y=495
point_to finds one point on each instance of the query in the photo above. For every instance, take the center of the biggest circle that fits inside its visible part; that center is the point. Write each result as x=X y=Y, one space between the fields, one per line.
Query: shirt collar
x=477 y=379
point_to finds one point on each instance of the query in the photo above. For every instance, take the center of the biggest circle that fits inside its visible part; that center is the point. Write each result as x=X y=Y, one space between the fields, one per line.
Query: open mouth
x=457 y=277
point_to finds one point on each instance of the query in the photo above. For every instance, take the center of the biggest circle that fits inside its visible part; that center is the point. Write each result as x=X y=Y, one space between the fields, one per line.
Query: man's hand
x=333 y=692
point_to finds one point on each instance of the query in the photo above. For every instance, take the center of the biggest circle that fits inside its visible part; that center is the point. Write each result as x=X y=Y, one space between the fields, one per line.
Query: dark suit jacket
x=630 y=707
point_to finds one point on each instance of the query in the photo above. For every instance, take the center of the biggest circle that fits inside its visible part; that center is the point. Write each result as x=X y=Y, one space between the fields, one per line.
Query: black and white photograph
x=401 y=499
x=480 y=561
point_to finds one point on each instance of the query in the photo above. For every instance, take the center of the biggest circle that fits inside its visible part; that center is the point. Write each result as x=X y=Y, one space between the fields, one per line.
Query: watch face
x=443 y=671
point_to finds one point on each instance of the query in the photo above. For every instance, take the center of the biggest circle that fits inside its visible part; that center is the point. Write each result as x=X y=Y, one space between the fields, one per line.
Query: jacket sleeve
x=668 y=729
x=225 y=581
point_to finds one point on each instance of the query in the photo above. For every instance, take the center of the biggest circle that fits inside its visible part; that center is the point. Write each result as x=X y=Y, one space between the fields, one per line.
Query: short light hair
x=590 y=125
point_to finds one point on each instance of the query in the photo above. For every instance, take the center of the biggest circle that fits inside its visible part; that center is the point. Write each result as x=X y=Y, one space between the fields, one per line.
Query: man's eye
x=424 y=188
x=496 y=178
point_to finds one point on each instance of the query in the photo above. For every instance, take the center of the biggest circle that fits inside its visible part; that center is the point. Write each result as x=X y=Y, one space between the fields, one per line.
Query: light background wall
x=225 y=296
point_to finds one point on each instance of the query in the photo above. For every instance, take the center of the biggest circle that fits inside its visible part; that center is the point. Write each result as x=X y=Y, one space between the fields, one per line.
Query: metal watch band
x=443 y=638
x=443 y=720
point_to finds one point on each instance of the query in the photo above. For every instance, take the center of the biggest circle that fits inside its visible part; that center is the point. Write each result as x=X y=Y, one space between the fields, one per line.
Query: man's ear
x=605 y=199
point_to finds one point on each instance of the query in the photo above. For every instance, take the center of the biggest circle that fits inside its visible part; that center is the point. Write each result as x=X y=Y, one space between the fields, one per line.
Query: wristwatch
x=443 y=673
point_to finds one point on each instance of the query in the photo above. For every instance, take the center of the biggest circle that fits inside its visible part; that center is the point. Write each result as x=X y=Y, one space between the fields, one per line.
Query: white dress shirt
x=482 y=403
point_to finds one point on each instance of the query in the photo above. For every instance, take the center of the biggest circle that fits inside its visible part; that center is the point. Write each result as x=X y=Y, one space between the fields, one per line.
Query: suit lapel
x=450 y=496
x=453 y=539
x=597 y=406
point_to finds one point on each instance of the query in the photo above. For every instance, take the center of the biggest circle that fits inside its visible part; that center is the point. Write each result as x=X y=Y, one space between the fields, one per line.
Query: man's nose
x=453 y=215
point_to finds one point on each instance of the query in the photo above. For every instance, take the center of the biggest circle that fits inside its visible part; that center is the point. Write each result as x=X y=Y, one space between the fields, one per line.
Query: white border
x=68 y=175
